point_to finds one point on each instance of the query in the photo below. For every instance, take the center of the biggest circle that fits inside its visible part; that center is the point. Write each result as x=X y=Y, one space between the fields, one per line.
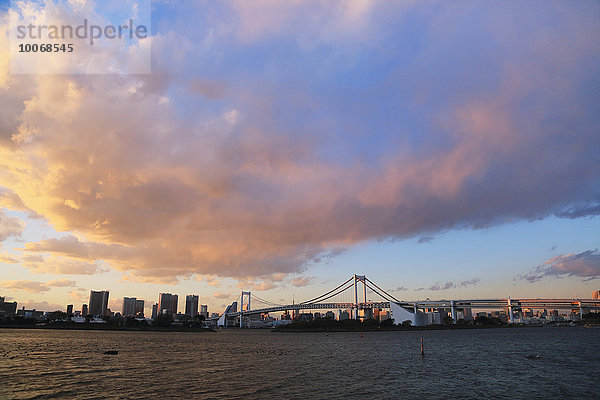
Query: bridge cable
x=375 y=291
x=389 y=295
x=323 y=295
x=263 y=301
x=334 y=294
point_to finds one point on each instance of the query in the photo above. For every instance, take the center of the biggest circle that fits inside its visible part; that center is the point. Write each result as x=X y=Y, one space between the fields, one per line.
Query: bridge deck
x=473 y=303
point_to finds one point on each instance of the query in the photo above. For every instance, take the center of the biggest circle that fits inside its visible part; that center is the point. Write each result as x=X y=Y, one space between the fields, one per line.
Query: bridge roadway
x=560 y=304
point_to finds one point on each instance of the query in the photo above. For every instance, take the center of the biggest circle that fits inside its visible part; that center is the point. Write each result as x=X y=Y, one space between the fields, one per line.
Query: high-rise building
x=191 y=305
x=139 y=307
x=167 y=303
x=128 y=306
x=204 y=310
x=84 y=310
x=8 y=309
x=154 y=310
x=99 y=302
x=70 y=309
x=596 y=295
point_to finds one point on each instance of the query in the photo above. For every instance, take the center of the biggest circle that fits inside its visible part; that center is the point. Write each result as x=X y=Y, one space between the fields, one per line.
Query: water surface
x=256 y=364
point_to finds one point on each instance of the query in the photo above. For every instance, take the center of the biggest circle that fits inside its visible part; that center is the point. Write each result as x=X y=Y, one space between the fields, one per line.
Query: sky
x=444 y=150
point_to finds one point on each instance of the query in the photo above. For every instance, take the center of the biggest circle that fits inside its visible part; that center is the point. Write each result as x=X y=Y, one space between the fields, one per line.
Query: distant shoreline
x=99 y=327
x=412 y=328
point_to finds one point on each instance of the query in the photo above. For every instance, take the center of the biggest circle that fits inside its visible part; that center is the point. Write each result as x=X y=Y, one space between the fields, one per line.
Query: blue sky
x=283 y=146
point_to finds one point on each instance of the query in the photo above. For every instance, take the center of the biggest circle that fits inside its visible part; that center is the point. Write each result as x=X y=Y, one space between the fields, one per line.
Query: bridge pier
x=511 y=315
x=355 y=297
x=249 y=295
x=453 y=310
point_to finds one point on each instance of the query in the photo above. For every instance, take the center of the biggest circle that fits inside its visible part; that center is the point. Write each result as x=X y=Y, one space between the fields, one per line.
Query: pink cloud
x=28 y=286
x=585 y=265
x=271 y=171
x=300 y=281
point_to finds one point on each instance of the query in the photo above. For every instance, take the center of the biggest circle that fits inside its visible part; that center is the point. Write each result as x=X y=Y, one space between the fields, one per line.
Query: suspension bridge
x=360 y=296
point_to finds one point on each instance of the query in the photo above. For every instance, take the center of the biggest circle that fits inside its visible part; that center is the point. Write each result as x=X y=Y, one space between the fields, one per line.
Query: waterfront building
x=342 y=315
x=305 y=317
x=128 y=306
x=38 y=315
x=383 y=315
x=139 y=307
x=204 y=310
x=99 y=302
x=167 y=303
x=330 y=315
x=376 y=312
x=365 y=313
x=436 y=317
x=191 y=305
x=596 y=294
x=154 y=310
x=7 y=309
x=70 y=310
x=84 y=310
x=465 y=314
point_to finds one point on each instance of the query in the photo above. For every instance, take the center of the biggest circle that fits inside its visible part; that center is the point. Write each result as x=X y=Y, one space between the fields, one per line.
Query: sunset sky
x=443 y=149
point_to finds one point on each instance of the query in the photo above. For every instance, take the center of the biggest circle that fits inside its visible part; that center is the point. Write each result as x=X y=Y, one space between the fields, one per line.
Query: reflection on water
x=469 y=364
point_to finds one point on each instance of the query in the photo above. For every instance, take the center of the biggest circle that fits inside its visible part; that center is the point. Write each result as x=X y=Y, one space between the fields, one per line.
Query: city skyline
x=447 y=152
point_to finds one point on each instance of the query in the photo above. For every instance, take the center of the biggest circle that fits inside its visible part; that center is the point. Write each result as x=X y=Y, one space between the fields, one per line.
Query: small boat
x=111 y=352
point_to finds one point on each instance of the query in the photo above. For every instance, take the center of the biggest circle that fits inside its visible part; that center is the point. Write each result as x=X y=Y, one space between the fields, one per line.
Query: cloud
x=470 y=282
x=210 y=280
x=9 y=226
x=300 y=281
x=250 y=284
x=580 y=211
x=220 y=295
x=59 y=265
x=115 y=305
x=61 y=283
x=490 y=117
x=4 y=258
x=80 y=295
x=585 y=265
x=28 y=286
x=41 y=306
x=400 y=289
x=264 y=285
x=278 y=276
x=425 y=239
x=451 y=285
x=447 y=285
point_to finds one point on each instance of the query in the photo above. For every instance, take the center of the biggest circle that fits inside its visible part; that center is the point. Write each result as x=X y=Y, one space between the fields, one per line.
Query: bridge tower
x=363 y=279
x=249 y=297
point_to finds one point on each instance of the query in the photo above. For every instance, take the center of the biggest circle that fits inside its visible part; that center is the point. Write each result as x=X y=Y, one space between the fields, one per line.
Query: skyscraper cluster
x=98 y=302
x=191 y=305
x=167 y=303
x=132 y=306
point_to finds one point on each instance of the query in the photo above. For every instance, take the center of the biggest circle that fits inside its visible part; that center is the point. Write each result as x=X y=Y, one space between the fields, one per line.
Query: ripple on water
x=473 y=364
